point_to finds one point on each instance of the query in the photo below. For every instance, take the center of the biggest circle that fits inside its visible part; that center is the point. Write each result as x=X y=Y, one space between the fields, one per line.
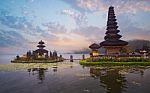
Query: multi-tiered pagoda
x=112 y=43
x=41 y=51
x=40 y=55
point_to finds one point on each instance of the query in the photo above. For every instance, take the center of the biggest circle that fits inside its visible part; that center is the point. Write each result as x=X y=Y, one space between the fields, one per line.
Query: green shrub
x=111 y=59
x=84 y=62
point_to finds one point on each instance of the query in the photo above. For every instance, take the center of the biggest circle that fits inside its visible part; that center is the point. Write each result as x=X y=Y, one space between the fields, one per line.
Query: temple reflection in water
x=114 y=80
x=40 y=72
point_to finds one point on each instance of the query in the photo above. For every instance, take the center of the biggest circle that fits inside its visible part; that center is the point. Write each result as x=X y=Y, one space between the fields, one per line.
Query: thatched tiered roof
x=112 y=37
x=41 y=51
x=41 y=46
x=94 y=46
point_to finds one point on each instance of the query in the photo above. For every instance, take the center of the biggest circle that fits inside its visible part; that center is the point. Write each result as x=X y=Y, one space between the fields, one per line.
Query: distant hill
x=138 y=44
x=133 y=46
x=82 y=51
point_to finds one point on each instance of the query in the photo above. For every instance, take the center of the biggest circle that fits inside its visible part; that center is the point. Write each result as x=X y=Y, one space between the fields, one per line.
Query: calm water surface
x=67 y=77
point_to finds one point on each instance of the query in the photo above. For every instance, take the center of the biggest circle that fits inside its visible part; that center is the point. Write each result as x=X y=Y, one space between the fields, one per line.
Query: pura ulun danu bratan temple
x=113 y=44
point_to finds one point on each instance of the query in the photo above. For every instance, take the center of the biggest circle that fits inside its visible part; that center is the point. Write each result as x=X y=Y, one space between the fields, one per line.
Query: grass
x=85 y=63
x=36 y=61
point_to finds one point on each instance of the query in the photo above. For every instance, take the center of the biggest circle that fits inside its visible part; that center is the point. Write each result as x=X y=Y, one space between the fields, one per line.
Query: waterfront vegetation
x=113 y=62
x=114 y=59
x=49 y=60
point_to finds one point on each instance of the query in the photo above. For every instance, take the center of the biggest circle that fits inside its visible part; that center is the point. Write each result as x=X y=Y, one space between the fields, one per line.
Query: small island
x=40 y=55
x=116 y=50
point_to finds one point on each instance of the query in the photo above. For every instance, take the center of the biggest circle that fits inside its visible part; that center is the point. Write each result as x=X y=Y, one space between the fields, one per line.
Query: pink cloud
x=79 y=18
x=121 y=6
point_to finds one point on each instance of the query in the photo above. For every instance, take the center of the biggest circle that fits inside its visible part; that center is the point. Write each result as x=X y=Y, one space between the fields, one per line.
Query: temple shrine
x=94 y=48
x=112 y=43
x=41 y=52
x=39 y=55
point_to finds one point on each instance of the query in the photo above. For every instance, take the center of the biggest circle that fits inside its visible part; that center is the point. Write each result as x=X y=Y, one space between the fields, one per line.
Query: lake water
x=68 y=77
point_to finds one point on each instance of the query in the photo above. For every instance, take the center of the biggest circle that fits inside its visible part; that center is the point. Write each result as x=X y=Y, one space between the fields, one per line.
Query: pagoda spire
x=41 y=45
x=112 y=42
x=112 y=37
x=112 y=32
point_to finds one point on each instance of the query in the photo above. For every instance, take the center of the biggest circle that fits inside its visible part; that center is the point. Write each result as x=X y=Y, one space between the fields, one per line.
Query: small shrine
x=94 y=47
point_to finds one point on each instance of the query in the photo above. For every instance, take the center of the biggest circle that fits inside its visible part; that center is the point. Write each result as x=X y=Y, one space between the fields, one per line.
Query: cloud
x=75 y=39
x=13 y=21
x=144 y=5
x=137 y=33
x=91 y=5
x=92 y=33
x=79 y=18
x=30 y=1
x=25 y=11
x=55 y=35
x=121 y=6
x=130 y=30
x=131 y=6
x=21 y=25
x=22 y=31
x=54 y=27
x=10 y=38
x=70 y=42
x=18 y=31
x=12 y=42
x=64 y=40
x=79 y=37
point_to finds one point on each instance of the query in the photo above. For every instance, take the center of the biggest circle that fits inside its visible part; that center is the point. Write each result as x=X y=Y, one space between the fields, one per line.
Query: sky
x=68 y=25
